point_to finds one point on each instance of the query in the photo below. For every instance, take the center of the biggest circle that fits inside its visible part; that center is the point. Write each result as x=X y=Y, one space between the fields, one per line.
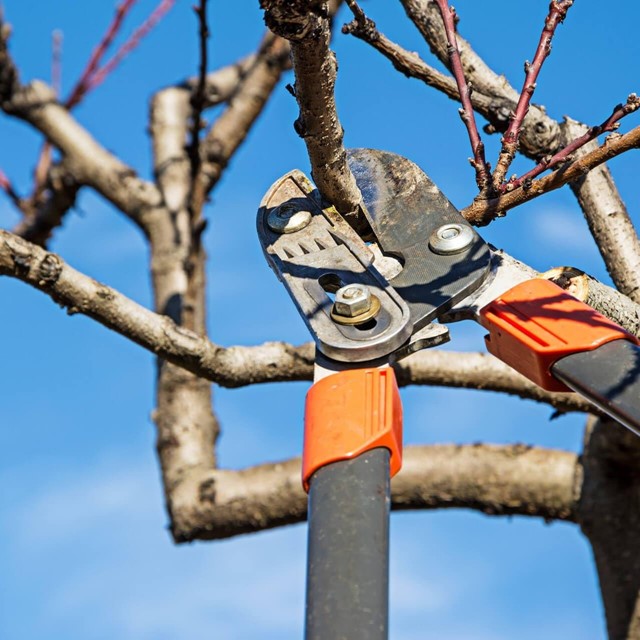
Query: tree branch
x=609 y=517
x=44 y=211
x=449 y=19
x=480 y=371
x=307 y=26
x=481 y=212
x=496 y=480
x=540 y=133
x=231 y=128
x=89 y=162
x=608 y=219
x=240 y=366
x=557 y=12
x=541 y=136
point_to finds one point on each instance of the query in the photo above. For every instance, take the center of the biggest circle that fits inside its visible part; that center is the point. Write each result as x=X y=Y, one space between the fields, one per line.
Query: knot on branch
x=295 y=20
x=49 y=270
x=362 y=27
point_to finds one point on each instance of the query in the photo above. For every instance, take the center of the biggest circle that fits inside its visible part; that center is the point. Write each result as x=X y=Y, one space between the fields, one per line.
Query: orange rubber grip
x=348 y=413
x=536 y=323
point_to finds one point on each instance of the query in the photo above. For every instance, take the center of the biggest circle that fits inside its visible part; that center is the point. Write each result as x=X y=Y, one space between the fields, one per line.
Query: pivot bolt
x=288 y=218
x=354 y=305
x=352 y=300
x=451 y=238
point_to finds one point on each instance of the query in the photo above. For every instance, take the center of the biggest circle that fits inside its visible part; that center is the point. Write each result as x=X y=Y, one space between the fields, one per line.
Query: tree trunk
x=609 y=515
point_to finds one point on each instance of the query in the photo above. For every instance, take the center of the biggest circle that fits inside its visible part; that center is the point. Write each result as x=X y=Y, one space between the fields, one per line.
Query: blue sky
x=85 y=550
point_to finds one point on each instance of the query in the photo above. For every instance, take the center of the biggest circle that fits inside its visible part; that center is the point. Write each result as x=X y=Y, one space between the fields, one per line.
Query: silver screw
x=288 y=218
x=352 y=300
x=451 y=238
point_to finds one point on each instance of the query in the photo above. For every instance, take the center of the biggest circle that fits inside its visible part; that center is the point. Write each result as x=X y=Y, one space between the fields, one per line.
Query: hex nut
x=288 y=218
x=352 y=300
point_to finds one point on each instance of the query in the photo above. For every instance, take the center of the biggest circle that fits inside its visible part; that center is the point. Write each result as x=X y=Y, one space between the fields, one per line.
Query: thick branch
x=239 y=366
x=508 y=480
x=44 y=211
x=480 y=371
x=307 y=26
x=221 y=84
x=609 y=516
x=90 y=163
x=608 y=218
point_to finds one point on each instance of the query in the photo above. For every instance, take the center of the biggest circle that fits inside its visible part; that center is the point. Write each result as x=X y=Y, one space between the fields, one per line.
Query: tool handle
x=609 y=377
x=348 y=553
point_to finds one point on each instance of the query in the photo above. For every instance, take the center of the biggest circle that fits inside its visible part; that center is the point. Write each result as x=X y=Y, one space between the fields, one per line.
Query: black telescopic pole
x=348 y=553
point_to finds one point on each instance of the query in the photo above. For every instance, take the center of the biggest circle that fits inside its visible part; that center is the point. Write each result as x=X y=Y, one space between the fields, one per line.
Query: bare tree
x=598 y=490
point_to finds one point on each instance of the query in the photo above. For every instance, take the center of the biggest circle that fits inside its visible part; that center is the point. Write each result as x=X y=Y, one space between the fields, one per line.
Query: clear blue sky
x=85 y=553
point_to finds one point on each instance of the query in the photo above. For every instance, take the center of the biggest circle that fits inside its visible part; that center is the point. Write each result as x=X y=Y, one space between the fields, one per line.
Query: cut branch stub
x=307 y=26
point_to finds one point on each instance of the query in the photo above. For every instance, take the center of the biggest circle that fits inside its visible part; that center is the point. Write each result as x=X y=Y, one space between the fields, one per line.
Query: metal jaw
x=315 y=253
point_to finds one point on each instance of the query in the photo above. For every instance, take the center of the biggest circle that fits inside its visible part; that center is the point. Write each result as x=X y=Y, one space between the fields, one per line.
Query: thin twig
x=481 y=212
x=198 y=95
x=478 y=161
x=565 y=154
x=307 y=26
x=406 y=62
x=557 y=12
x=82 y=86
x=158 y=13
x=7 y=187
x=56 y=61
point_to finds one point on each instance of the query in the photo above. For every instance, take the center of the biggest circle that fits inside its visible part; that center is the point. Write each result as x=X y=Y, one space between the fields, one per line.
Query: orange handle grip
x=349 y=413
x=536 y=323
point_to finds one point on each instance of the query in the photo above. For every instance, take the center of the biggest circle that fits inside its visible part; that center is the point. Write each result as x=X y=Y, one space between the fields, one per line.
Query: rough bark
x=43 y=212
x=308 y=28
x=90 y=163
x=495 y=480
x=186 y=424
x=609 y=515
x=608 y=219
x=162 y=333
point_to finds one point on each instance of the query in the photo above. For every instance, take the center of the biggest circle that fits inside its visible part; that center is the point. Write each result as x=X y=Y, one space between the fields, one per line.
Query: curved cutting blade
x=404 y=208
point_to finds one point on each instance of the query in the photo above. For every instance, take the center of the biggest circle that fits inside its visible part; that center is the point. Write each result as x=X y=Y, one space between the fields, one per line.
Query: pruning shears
x=370 y=301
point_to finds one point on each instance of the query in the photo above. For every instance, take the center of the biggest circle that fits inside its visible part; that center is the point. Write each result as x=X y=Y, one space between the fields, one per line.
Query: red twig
x=56 y=61
x=7 y=187
x=158 y=13
x=478 y=161
x=564 y=155
x=557 y=12
x=86 y=78
x=92 y=75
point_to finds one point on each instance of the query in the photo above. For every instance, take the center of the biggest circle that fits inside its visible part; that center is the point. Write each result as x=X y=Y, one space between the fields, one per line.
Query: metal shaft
x=608 y=376
x=348 y=553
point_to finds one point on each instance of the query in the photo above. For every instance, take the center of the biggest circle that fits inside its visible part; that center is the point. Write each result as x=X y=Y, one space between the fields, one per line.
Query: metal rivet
x=288 y=218
x=451 y=238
